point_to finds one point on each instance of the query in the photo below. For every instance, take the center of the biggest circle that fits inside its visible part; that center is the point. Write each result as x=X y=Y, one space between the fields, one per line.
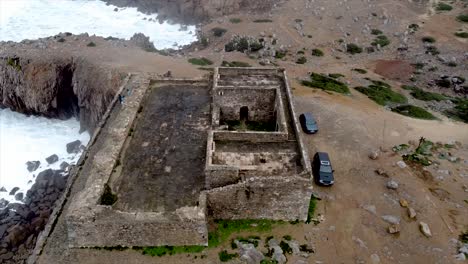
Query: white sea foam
x=32 y=19
x=24 y=138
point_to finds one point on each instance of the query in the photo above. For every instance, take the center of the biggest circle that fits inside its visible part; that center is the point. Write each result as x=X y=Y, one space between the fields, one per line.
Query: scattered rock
x=393 y=229
x=393 y=185
x=14 y=190
x=381 y=172
x=370 y=208
x=33 y=165
x=142 y=41
x=294 y=245
x=401 y=164
x=3 y=203
x=278 y=254
x=74 y=147
x=375 y=259
x=403 y=203
x=52 y=159
x=460 y=257
x=249 y=253
x=3 y=189
x=424 y=228
x=373 y=155
x=64 y=165
x=411 y=213
x=394 y=220
x=19 y=196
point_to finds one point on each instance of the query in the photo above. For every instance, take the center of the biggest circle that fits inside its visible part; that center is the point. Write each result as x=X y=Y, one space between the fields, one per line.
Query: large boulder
x=52 y=159
x=14 y=190
x=74 y=147
x=33 y=165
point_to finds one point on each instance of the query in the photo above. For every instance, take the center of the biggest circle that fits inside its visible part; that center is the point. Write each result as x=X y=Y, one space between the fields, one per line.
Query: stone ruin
x=224 y=147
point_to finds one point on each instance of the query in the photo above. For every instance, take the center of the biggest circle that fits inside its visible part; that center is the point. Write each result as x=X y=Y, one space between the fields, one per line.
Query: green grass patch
x=428 y=39
x=224 y=256
x=423 y=95
x=413 y=111
x=460 y=111
x=461 y=34
x=170 y=250
x=376 y=32
x=382 y=93
x=218 y=32
x=443 y=7
x=235 y=20
x=235 y=64
x=352 y=48
x=225 y=228
x=463 y=18
x=264 y=20
x=361 y=71
x=326 y=83
x=301 y=60
x=15 y=63
x=381 y=40
x=200 y=61
x=421 y=153
x=335 y=75
x=91 y=44
x=317 y=53
x=311 y=211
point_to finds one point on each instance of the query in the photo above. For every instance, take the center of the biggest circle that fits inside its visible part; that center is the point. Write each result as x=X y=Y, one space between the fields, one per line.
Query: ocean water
x=29 y=138
x=32 y=19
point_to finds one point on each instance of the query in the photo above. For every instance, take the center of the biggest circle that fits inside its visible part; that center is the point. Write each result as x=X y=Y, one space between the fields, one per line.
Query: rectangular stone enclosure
x=224 y=147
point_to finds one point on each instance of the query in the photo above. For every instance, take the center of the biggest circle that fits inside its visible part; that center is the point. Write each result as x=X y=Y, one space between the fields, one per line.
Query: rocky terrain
x=383 y=208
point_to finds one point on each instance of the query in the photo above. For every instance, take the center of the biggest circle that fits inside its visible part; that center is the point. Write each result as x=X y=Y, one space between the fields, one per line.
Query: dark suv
x=322 y=169
x=308 y=123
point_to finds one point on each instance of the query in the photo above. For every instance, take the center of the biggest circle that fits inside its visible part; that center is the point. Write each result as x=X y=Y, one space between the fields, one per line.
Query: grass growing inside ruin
x=170 y=250
x=423 y=95
x=312 y=206
x=236 y=125
x=200 y=61
x=235 y=64
x=225 y=228
x=381 y=93
x=325 y=83
x=413 y=111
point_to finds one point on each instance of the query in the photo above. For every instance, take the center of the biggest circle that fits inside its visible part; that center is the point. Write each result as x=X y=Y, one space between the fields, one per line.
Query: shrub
x=463 y=18
x=317 y=52
x=460 y=111
x=287 y=237
x=335 y=75
x=61 y=40
x=218 y=32
x=376 y=32
x=15 y=63
x=413 y=111
x=200 y=61
x=235 y=20
x=452 y=64
x=381 y=93
x=280 y=54
x=361 y=71
x=428 y=39
x=285 y=247
x=301 y=60
x=326 y=83
x=443 y=7
x=264 y=20
x=432 y=50
x=461 y=34
x=413 y=27
x=381 y=41
x=91 y=44
x=423 y=95
x=224 y=256
x=235 y=64
x=418 y=65
x=353 y=49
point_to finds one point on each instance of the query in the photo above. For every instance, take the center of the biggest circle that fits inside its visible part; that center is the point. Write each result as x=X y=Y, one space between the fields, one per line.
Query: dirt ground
x=352 y=230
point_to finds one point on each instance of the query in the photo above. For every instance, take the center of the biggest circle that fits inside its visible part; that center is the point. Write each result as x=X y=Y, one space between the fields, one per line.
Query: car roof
x=323 y=156
x=308 y=115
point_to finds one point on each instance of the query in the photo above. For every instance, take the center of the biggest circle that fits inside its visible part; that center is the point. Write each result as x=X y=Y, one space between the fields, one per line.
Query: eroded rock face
x=193 y=11
x=57 y=87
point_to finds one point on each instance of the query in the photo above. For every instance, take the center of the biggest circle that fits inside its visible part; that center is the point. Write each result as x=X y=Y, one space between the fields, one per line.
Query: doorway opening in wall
x=244 y=114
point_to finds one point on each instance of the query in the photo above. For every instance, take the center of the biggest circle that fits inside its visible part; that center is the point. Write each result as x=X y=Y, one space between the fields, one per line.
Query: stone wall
x=251 y=136
x=278 y=198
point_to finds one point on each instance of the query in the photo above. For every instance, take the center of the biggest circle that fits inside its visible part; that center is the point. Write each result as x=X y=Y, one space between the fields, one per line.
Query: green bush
x=461 y=34
x=218 y=32
x=301 y=60
x=460 y=111
x=61 y=40
x=443 y=7
x=413 y=111
x=413 y=27
x=264 y=20
x=381 y=40
x=280 y=54
x=171 y=250
x=335 y=75
x=285 y=247
x=382 y=93
x=317 y=53
x=428 y=39
x=235 y=64
x=15 y=63
x=200 y=61
x=463 y=18
x=423 y=95
x=91 y=44
x=432 y=50
x=353 y=49
x=235 y=20
x=325 y=83
x=452 y=64
x=361 y=71
x=376 y=32
x=224 y=256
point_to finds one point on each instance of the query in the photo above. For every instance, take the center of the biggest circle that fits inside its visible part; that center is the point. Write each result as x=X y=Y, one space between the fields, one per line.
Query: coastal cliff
x=58 y=87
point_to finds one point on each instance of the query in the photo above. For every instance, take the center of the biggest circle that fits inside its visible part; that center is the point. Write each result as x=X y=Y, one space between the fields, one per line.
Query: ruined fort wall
x=250 y=136
x=278 y=198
